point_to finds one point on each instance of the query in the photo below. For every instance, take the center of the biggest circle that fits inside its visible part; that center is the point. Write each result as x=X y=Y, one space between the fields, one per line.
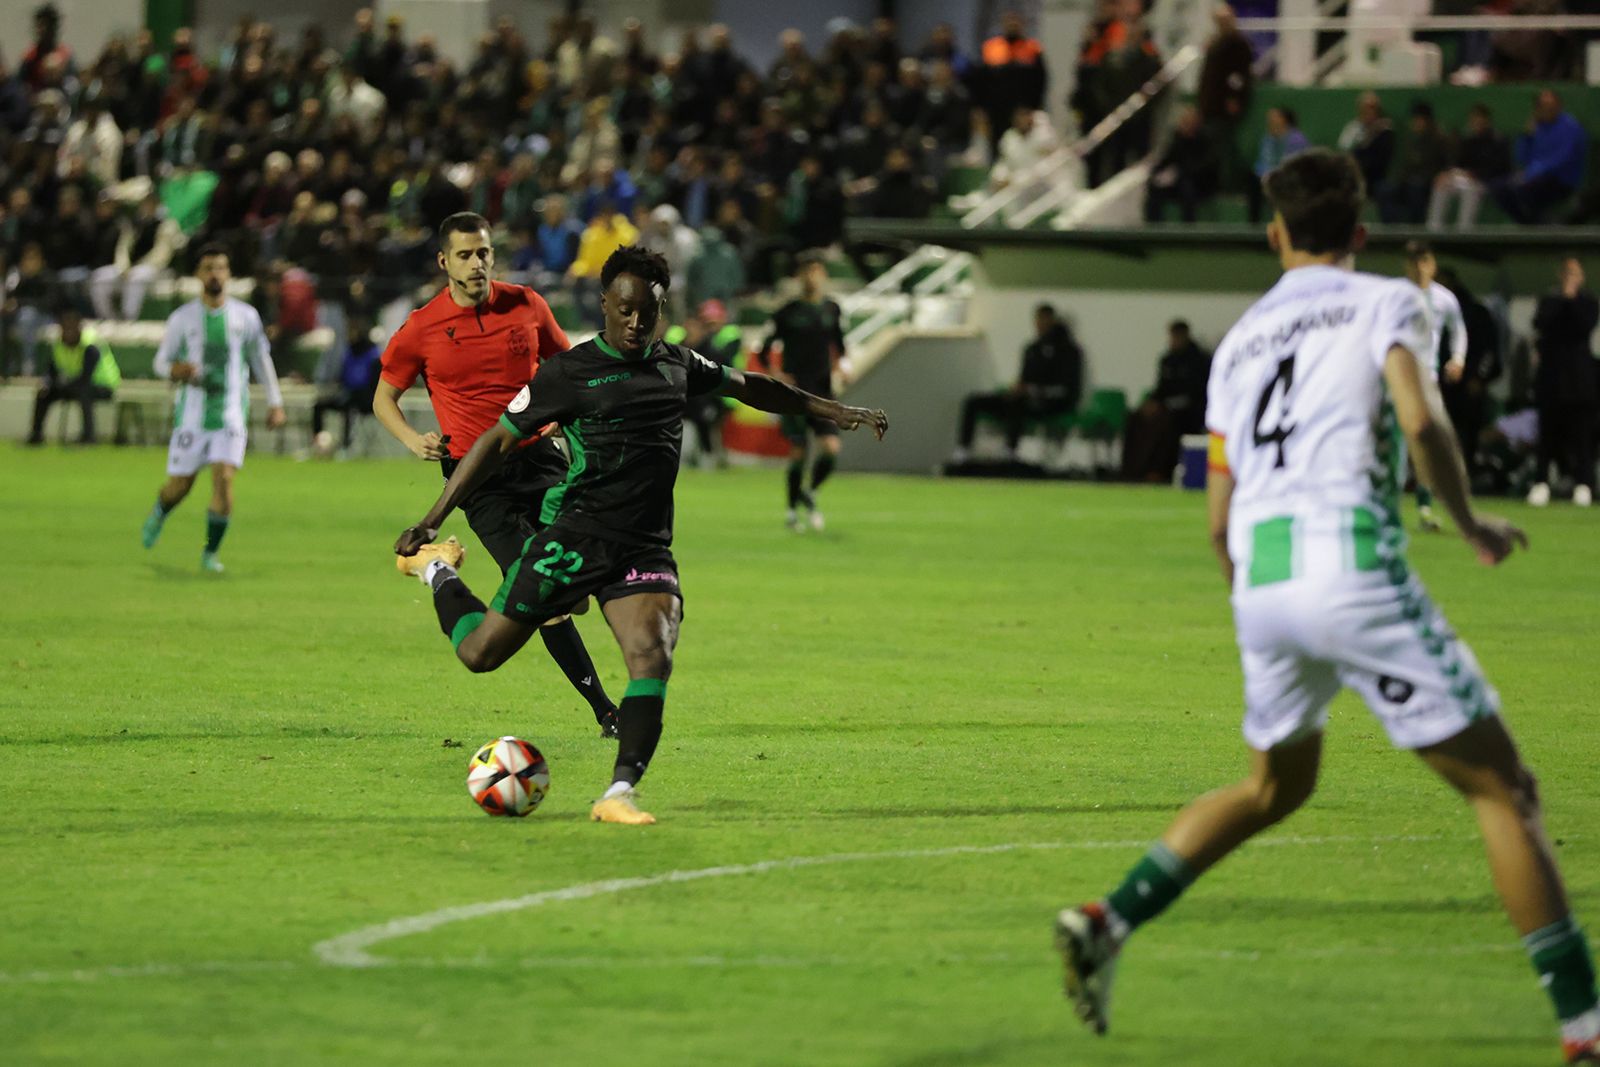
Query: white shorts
x=1301 y=641
x=192 y=449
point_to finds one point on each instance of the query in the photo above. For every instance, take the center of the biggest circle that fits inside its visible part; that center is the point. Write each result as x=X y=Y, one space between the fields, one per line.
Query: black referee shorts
x=504 y=511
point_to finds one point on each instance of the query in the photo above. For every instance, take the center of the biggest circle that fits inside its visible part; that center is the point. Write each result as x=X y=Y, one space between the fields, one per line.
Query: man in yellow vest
x=81 y=368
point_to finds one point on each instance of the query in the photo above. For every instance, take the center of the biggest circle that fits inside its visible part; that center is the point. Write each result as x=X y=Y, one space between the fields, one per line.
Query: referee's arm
x=386 y=408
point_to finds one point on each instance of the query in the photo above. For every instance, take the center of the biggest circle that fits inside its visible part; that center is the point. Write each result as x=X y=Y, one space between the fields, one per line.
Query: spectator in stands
x=665 y=232
x=1369 y=137
x=1227 y=82
x=30 y=293
x=1550 y=157
x=144 y=248
x=357 y=382
x=557 y=238
x=1424 y=155
x=942 y=47
x=69 y=241
x=1187 y=172
x=1565 y=384
x=1481 y=156
x=1051 y=383
x=1029 y=140
x=95 y=139
x=607 y=231
x=1124 y=70
x=350 y=95
x=1281 y=139
x=947 y=114
x=814 y=205
x=46 y=50
x=716 y=273
x=900 y=191
x=81 y=370
x=1013 y=74
x=1176 y=406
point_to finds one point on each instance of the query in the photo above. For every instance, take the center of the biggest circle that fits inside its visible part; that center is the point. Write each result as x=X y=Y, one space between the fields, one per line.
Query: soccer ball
x=508 y=776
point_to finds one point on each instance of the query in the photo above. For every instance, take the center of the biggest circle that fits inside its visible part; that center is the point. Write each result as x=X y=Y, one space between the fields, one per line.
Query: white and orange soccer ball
x=508 y=776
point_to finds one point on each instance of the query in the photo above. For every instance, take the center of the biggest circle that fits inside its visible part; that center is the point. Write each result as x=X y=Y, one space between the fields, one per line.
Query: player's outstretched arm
x=1438 y=458
x=766 y=393
x=482 y=460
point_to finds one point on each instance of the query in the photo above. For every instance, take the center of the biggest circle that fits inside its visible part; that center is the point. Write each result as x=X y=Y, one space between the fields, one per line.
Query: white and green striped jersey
x=219 y=343
x=1446 y=323
x=1297 y=399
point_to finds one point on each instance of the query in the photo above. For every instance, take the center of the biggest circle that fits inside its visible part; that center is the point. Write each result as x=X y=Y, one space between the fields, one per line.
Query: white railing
x=1060 y=192
x=886 y=303
x=1297 y=33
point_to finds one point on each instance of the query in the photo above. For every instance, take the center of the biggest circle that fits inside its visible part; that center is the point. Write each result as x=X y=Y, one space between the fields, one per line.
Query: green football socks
x=1560 y=953
x=216 y=527
x=1154 y=883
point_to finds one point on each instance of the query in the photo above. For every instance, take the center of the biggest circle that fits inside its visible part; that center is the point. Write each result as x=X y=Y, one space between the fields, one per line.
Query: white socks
x=433 y=569
x=618 y=789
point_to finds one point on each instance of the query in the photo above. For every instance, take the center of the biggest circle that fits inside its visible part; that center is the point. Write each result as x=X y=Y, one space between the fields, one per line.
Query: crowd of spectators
x=333 y=160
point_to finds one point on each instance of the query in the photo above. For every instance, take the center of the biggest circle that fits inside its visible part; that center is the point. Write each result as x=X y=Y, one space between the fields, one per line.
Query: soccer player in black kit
x=607 y=529
x=811 y=328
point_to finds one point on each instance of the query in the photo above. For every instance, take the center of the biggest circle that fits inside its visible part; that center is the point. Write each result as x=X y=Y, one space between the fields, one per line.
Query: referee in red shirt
x=474 y=346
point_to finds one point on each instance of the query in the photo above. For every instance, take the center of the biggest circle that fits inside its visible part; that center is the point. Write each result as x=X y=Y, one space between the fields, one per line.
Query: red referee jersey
x=473 y=360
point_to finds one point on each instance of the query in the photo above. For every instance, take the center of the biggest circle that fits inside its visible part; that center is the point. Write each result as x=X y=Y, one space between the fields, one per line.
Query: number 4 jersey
x=1299 y=416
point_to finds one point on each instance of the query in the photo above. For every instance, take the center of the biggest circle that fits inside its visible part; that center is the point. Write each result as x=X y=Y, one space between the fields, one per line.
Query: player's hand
x=276 y=418
x=182 y=371
x=414 y=538
x=1453 y=371
x=849 y=418
x=1493 y=538
x=431 y=447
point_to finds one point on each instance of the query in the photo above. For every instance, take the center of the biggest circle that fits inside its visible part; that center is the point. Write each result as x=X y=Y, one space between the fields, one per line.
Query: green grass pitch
x=986 y=697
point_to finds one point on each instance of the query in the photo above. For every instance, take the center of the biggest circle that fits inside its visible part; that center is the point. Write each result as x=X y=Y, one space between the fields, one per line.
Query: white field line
x=351 y=949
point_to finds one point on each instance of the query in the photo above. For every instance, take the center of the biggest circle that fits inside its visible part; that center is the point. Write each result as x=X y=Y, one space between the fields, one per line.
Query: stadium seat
x=1101 y=422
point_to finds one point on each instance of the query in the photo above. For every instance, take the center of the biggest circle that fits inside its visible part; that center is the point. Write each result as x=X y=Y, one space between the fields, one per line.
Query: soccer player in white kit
x=1314 y=395
x=1445 y=322
x=210 y=347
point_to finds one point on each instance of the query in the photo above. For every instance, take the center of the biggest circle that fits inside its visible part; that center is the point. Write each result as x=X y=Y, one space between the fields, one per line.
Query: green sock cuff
x=464 y=626
x=1550 y=939
x=646 y=687
x=1173 y=864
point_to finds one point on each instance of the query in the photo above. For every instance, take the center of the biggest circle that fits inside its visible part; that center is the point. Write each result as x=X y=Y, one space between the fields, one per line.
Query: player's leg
x=185 y=457
x=646 y=628
x=794 y=428
x=827 y=439
x=1287 y=693
x=218 y=514
x=483 y=638
x=1482 y=764
x=503 y=515
x=1212 y=826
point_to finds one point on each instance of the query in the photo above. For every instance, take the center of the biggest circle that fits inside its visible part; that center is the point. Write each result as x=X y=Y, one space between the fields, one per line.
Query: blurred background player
x=81 y=370
x=210 y=347
x=811 y=330
x=709 y=333
x=1445 y=323
x=478 y=342
x=1307 y=392
x=620 y=399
